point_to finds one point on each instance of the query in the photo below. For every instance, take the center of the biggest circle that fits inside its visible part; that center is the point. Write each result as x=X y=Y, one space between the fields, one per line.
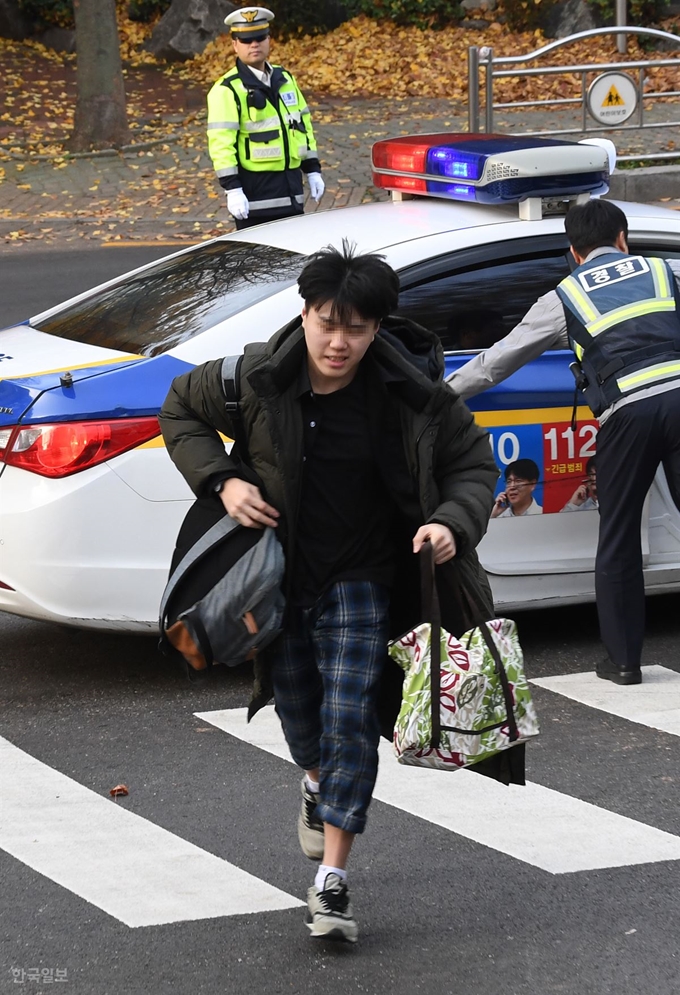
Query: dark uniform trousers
x=242 y=223
x=631 y=445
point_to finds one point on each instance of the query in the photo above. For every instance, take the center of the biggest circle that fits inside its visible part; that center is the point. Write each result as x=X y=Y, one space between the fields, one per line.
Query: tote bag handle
x=432 y=612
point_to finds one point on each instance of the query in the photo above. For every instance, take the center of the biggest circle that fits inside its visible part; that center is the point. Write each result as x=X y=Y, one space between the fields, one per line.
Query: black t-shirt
x=345 y=515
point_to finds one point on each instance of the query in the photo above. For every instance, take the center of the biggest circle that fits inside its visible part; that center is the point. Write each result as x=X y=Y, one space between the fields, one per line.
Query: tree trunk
x=100 y=118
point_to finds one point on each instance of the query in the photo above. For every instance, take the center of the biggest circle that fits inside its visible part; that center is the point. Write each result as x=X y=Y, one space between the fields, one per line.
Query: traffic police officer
x=621 y=315
x=260 y=134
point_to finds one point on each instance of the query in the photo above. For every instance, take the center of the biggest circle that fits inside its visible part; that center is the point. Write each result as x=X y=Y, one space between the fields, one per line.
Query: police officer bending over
x=621 y=315
x=260 y=134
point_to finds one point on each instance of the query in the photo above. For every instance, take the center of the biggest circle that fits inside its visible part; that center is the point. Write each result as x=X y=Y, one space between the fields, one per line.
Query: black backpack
x=223 y=600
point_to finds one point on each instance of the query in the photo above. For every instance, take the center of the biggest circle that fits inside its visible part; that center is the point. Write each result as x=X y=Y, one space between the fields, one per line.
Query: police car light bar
x=489 y=169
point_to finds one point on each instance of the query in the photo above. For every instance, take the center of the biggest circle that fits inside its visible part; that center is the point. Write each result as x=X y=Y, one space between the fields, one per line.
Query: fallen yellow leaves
x=39 y=93
x=363 y=58
x=360 y=59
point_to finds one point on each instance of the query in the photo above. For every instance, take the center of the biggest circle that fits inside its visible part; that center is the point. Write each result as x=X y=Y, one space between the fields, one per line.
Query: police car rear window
x=177 y=299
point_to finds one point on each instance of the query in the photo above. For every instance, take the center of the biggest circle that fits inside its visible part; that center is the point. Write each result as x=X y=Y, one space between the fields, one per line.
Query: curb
x=96 y=153
x=649 y=183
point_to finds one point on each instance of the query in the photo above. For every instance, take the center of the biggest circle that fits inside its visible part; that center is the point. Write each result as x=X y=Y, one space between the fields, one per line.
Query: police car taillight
x=489 y=169
x=63 y=448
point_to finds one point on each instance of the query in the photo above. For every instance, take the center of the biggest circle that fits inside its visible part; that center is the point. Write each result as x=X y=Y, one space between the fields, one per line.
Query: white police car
x=90 y=503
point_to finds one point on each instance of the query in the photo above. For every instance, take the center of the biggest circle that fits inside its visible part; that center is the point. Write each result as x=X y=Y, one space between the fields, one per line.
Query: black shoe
x=608 y=672
x=330 y=914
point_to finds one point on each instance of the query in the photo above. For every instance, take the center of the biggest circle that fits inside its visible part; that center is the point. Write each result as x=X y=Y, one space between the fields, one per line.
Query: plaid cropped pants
x=326 y=673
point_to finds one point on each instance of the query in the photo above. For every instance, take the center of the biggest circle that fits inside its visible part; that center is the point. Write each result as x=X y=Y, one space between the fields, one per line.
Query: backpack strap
x=215 y=534
x=231 y=383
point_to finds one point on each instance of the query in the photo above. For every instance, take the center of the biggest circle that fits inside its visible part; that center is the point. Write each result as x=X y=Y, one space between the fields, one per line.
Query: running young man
x=357 y=453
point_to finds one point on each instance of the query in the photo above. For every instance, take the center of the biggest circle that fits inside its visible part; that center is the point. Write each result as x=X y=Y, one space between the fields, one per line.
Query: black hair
x=364 y=284
x=593 y=224
x=524 y=468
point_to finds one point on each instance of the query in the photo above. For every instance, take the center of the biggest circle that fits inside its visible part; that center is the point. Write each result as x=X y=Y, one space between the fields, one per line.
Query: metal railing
x=482 y=56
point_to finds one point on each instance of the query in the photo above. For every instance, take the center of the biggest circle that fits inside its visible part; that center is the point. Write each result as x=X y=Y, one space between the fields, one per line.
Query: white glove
x=316 y=185
x=237 y=203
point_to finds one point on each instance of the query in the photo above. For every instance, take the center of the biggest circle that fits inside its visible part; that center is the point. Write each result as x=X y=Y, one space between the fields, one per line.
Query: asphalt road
x=33 y=281
x=440 y=912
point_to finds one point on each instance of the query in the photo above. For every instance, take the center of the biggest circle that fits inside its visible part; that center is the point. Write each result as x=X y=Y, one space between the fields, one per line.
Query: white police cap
x=249 y=22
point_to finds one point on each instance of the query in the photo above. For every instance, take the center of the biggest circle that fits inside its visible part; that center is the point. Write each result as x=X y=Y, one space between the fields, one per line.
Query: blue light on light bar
x=457 y=191
x=446 y=161
x=512 y=190
x=453 y=166
x=507 y=191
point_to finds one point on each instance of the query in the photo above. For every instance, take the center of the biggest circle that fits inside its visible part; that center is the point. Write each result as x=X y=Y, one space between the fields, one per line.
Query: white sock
x=324 y=870
x=312 y=786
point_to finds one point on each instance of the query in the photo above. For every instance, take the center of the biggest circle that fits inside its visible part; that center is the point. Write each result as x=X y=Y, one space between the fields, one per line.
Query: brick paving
x=169 y=192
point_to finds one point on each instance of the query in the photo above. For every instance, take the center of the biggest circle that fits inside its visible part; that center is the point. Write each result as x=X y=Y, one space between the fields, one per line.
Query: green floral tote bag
x=466 y=701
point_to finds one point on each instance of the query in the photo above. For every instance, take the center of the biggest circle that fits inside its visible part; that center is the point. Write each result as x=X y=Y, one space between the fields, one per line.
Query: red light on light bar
x=406 y=155
x=63 y=448
x=402 y=156
x=410 y=183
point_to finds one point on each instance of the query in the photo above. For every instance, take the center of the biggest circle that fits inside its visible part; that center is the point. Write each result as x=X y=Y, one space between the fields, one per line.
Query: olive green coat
x=443 y=472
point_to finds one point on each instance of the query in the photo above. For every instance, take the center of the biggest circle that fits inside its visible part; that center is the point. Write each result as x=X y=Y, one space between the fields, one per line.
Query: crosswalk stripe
x=654 y=703
x=130 y=868
x=535 y=824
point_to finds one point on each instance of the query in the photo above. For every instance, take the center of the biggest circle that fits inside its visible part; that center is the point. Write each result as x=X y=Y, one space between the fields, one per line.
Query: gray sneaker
x=330 y=914
x=310 y=826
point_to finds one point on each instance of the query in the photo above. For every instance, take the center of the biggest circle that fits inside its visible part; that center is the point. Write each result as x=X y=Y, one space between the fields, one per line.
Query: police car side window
x=472 y=307
x=665 y=252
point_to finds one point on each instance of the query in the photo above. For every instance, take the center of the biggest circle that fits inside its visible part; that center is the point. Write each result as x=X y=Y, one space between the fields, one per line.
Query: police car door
x=541 y=542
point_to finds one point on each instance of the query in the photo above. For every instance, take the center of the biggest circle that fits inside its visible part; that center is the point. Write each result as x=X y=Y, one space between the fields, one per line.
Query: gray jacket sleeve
x=544 y=326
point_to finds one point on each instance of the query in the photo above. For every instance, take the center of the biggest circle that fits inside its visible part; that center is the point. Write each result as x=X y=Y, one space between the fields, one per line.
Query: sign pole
x=473 y=89
x=621 y=18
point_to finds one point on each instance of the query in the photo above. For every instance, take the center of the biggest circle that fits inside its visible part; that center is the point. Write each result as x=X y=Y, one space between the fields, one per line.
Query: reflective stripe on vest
x=652 y=374
x=223 y=126
x=595 y=322
x=273 y=135
x=274 y=202
x=623 y=322
x=264 y=124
